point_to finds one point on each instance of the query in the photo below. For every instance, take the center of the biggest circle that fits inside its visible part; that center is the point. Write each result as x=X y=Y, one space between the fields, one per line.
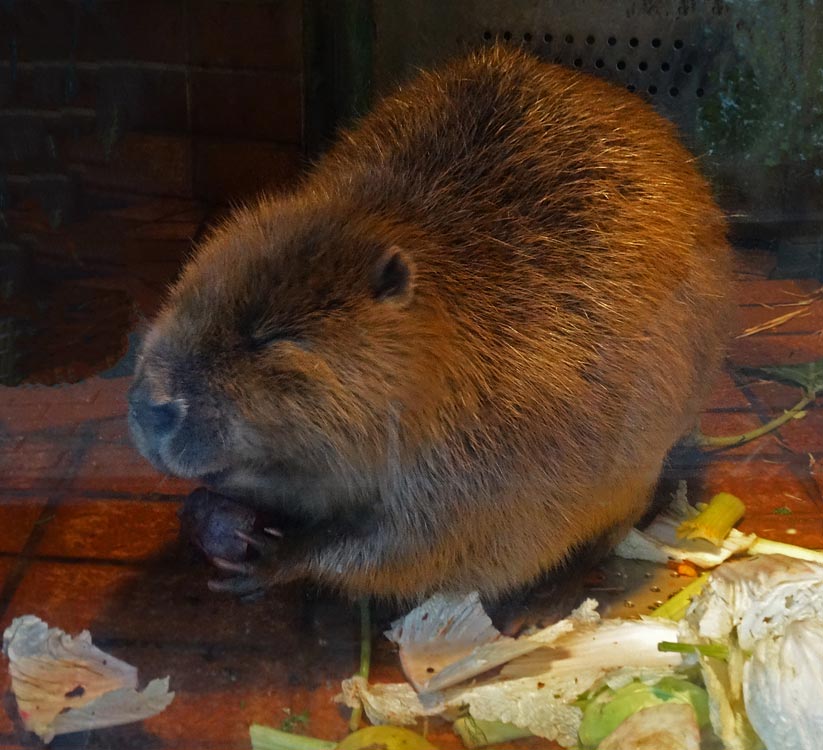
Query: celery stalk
x=712 y=443
x=675 y=608
x=268 y=738
x=715 y=521
x=365 y=656
x=716 y=650
x=768 y=547
x=478 y=733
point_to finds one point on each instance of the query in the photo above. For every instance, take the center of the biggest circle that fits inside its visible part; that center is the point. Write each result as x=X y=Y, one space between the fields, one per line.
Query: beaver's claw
x=249 y=579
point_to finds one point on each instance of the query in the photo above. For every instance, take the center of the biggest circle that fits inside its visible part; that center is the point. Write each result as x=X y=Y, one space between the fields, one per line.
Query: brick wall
x=111 y=107
x=190 y=98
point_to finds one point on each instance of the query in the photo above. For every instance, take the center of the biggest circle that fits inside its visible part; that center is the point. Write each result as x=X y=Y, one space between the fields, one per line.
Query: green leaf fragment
x=290 y=723
x=807 y=375
x=715 y=650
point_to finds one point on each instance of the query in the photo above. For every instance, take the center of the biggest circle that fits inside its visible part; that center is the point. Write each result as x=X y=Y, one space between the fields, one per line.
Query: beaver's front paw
x=268 y=566
x=210 y=521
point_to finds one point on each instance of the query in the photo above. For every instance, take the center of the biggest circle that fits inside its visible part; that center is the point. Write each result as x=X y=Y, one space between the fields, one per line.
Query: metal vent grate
x=666 y=55
x=740 y=80
x=656 y=67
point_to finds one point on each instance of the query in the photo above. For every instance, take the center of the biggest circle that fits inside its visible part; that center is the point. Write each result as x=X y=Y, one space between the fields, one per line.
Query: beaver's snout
x=171 y=433
x=154 y=420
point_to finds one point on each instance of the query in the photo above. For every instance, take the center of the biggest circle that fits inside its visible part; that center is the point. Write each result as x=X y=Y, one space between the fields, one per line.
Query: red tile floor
x=88 y=531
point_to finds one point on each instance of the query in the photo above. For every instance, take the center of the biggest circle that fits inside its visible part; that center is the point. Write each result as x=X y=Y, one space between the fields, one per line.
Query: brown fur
x=562 y=320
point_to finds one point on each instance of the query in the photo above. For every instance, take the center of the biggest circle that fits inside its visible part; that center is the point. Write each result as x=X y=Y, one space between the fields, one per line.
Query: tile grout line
x=90 y=494
x=133 y=562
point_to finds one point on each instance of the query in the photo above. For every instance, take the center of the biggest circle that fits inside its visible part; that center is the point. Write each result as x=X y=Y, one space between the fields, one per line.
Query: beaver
x=460 y=349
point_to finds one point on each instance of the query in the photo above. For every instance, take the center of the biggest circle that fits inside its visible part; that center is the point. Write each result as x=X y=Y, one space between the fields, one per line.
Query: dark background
x=127 y=126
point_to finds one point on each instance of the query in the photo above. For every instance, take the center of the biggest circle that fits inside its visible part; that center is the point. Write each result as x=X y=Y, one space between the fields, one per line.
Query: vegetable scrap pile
x=730 y=663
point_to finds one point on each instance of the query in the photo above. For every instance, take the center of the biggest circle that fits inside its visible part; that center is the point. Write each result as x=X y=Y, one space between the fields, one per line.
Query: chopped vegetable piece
x=294 y=720
x=659 y=541
x=476 y=733
x=715 y=521
x=448 y=640
x=768 y=611
x=676 y=607
x=715 y=650
x=608 y=708
x=754 y=598
x=268 y=738
x=65 y=684
x=391 y=703
x=768 y=547
x=385 y=738
x=442 y=631
x=668 y=726
x=687 y=570
x=782 y=687
x=365 y=657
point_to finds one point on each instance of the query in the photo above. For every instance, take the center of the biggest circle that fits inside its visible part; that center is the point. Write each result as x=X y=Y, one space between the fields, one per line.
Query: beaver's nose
x=156 y=420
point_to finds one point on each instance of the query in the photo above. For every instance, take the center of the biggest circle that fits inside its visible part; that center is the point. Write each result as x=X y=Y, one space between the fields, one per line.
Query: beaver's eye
x=262 y=339
x=257 y=342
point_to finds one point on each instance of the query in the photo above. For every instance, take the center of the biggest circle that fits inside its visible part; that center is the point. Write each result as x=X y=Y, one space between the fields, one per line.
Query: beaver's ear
x=394 y=277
